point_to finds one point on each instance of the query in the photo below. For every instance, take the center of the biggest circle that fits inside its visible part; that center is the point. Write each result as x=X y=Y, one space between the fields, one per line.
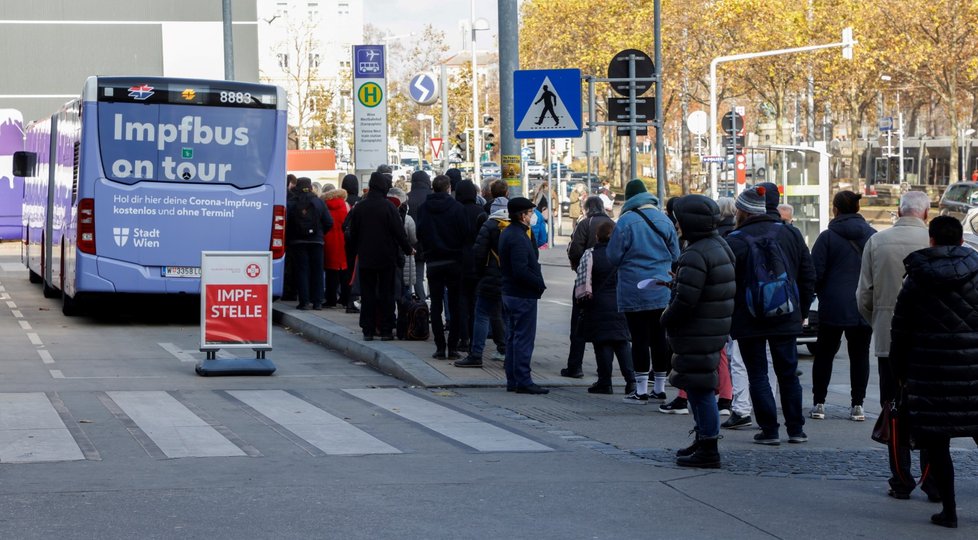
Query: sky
x=406 y=16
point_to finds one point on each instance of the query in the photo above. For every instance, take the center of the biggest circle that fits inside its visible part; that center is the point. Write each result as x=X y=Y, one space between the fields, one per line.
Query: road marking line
x=4 y=296
x=179 y=353
x=25 y=325
x=326 y=432
x=56 y=374
x=176 y=430
x=468 y=430
x=17 y=314
x=45 y=356
x=77 y=433
x=32 y=431
x=559 y=303
x=11 y=304
x=35 y=339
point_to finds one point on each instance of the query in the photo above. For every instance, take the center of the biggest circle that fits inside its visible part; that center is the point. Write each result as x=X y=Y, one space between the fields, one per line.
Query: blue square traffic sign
x=547 y=103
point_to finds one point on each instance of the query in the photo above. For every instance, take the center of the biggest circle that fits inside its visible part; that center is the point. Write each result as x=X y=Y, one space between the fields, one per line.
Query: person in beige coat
x=880 y=279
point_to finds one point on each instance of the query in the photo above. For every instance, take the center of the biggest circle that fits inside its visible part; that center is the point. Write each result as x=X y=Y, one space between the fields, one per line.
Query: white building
x=304 y=45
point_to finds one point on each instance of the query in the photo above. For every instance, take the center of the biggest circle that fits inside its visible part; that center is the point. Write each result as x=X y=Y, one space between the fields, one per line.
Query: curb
x=382 y=356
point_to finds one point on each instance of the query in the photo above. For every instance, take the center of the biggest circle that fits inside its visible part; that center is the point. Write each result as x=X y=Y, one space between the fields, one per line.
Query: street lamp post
x=965 y=133
x=474 y=26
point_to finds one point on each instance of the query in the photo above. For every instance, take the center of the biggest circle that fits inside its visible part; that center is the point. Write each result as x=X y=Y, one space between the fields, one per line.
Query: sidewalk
x=411 y=361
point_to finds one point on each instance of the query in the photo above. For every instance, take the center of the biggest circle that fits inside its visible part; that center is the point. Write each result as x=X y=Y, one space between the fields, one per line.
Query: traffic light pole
x=510 y=157
x=846 y=43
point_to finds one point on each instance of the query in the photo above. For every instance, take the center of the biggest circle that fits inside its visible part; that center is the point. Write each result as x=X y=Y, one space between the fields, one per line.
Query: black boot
x=689 y=450
x=705 y=456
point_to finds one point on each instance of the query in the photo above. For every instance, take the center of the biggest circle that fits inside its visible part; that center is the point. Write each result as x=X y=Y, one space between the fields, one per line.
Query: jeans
x=604 y=353
x=377 y=300
x=445 y=277
x=649 y=344
x=829 y=340
x=488 y=311
x=521 y=331
x=575 y=357
x=308 y=272
x=784 y=353
x=703 y=407
x=901 y=477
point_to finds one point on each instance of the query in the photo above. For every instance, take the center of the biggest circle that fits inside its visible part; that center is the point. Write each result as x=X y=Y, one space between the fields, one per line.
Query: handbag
x=886 y=425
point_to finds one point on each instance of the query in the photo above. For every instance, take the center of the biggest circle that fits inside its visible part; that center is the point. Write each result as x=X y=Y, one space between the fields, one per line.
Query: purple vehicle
x=131 y=181
x=11 y=187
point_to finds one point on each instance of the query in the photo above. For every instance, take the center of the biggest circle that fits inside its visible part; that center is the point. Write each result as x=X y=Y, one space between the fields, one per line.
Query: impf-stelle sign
x=236 y=300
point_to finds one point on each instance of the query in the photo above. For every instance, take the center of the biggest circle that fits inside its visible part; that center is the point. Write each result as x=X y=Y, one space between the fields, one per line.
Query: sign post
x=369 y=108
x=235 y=311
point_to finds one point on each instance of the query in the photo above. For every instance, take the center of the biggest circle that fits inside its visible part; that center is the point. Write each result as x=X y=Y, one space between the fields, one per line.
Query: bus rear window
x=175 y=143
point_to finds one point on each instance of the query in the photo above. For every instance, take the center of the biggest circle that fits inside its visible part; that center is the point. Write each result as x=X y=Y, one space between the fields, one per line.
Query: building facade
x=52 y=46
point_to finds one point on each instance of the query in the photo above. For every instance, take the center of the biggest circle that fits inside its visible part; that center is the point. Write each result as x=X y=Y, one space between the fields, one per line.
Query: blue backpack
x=770 y=290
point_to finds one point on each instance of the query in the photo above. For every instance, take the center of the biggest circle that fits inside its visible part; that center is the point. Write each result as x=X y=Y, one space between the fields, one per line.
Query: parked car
x=535 y=170
x=809 y=329
x=582 y=177
x=490 y=169
x=958 y=199
x=565 y=171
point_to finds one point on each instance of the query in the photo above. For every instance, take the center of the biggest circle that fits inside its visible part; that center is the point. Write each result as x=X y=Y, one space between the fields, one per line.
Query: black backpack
x=304 y=218
x=412 y=320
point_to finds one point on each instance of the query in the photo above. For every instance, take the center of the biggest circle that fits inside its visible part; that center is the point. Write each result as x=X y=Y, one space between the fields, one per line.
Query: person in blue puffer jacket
x=644 y=246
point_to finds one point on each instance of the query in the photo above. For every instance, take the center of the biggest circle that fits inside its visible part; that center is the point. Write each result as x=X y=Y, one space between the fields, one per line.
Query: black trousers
x=445 y=277
x=829 y=341
x=377 y=300
x=605 y=353
x=575 y=356
x=901 y=478
x=466 y=309
x=941 y=470
x=649 y=346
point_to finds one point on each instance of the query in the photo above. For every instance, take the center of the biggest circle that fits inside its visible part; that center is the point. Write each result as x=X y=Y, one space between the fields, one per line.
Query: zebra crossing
x=38 y=427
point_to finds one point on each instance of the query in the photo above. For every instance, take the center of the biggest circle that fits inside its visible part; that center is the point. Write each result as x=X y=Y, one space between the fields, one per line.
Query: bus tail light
x=86 y=226
x=278 y=232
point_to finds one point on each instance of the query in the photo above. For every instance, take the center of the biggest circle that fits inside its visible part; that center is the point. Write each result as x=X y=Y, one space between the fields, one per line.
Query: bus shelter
x=802 y=176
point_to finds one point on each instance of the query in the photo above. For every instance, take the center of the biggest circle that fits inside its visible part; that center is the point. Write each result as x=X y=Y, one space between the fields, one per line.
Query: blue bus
x=127 y=184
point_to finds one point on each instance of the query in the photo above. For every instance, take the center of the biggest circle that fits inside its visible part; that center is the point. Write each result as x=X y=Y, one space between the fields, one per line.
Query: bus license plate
x=181 y=271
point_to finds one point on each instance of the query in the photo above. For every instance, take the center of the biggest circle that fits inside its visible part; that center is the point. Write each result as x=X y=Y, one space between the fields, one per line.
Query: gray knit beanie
x=751 y=201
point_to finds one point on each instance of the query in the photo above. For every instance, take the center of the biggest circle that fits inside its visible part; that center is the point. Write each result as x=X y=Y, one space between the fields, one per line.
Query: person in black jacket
x=352 y=187
x=523 y=285
x=698 y=319
x=934 y=351
x=754 y=222
x=375 y=234
x=306 y=221
x=420 y=189
x=837 y=256
x=488 y=303
x=583 y=238
x=442 y=231
x=476 y=216
x=600 y=322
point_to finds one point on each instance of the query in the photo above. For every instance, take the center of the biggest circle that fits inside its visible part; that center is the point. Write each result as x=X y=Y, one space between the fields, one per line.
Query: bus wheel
x=35 y=277
x=50 y=291
x=70 y=306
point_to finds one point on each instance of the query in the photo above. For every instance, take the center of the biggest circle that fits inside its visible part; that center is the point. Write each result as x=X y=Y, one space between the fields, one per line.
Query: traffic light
x=487 y=120
x=490 y=141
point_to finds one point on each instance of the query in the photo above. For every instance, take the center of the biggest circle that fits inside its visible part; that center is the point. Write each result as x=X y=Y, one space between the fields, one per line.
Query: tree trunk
x=684 y=135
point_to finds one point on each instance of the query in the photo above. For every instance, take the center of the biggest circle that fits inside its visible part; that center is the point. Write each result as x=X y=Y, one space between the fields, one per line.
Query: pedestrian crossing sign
x=547 y=103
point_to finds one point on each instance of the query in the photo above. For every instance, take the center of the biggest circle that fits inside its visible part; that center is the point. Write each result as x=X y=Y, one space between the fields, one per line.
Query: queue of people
x=707 y=295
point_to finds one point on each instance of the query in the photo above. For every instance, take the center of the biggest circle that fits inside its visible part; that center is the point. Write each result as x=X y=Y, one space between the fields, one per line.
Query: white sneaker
x=856 y=413
x=818 y=411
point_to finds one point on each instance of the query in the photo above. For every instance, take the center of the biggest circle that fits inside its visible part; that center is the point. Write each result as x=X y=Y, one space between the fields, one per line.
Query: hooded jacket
x=352 y=187
x=442 y=229
x=486 y=253
x=640 y=252
x=334 y=247
x=837 y=256
x=600 y=319
x=321 y=223
x=455 y=176
x=935 y=341
x=476 y=216
x=800 y=268
x=420 y=189
x=698 y=318
x=375 y=228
